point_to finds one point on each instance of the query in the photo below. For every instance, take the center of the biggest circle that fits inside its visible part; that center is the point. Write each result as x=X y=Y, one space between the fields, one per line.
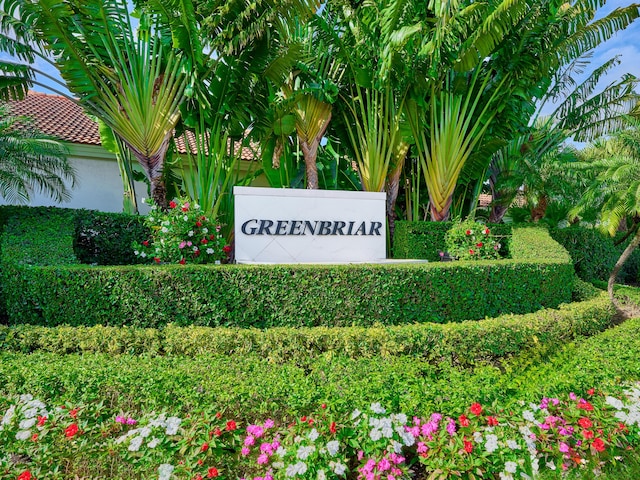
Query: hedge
x=263 y=296
x=465 y=342
x=425 y=240
x=106 y=238
x=594 y=254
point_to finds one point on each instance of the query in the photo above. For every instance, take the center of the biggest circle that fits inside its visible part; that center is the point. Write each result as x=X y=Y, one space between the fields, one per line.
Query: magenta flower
x=573 y=396
x=249 y=441
x=120 y=419
x=396 y=459
x=267 y=448
x=451 y=427
x=255 y=430
x=563 y=447
x=262 y=459
x=268 y=423
x=182 y=244
x=245 y=451
x=422 y=447
x=131 y=421
x=384 y=465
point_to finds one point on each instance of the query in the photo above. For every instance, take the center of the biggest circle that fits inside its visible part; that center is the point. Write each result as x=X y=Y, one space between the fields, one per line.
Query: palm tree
x=31 y=162
x=615 y=187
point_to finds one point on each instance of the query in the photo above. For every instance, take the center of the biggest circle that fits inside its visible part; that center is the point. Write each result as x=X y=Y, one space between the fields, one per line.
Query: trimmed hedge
x=273 y=295
x=425 y=240
x=594 y=254
x=465 y=342
x=106 y=238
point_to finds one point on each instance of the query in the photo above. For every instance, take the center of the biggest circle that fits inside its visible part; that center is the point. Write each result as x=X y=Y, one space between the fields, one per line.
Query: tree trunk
x=619 y=264
x=443 y=214
x=541 y=208
x=497 y=213
x=153 y=165
x=310 y=153
x=393 y=188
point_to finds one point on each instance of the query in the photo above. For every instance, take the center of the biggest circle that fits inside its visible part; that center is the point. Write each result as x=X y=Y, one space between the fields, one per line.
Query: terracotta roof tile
x=64 y=119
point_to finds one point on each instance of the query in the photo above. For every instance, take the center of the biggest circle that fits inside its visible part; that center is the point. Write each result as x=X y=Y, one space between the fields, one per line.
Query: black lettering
x=362 y=229
x=325 y=228
x=265 y=226
x=375 y=228
x=252 y=230
x=351 y=224
x=308 y=224
x=295 y=227
x=281 y=227
x=337 y=228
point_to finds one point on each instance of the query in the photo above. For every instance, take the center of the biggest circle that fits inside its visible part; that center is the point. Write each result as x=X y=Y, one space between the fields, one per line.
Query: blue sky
x=626 y=44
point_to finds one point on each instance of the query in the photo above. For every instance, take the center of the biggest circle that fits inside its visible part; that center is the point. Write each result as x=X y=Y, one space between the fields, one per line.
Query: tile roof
x=64 y=119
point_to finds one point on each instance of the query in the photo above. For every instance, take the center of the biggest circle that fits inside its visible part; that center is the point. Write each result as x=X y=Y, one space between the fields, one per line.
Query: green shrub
x=106 y=238
x=425 y=240
x=471 y=240
x=594 y=254
x=467 y=341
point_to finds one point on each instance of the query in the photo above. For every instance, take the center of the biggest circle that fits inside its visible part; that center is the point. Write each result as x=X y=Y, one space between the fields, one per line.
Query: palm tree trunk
x=538 y=212
x=619 y=264
x=440 y=215
x=497 y=213
x=310 y=153
x=393 y=187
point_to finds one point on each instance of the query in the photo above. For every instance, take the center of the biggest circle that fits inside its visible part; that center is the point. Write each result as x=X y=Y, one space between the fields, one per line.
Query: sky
x=626 y=44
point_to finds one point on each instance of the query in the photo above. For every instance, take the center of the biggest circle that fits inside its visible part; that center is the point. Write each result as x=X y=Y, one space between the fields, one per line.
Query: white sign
x=274 y=225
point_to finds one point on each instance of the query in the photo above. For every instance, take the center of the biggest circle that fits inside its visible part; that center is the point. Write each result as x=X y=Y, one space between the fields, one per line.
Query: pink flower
x=245 y=451
x=249 y=441
x=267 y=448
x=396 y=459
x=563 y=447
x=360 y=455
x=131 y=421
x=384 y=465
x=120 y=419
x=268 y=423
x=262 y=459
x=182 y=244
x=572 y=396
x=451 y=427
x=185 y=207
x=422 y=447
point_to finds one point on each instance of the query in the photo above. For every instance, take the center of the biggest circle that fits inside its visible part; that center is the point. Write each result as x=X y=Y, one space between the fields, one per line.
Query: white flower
x=491 y=443
x=355 y=414
x=186 y=218
x=195 y=249
x=164 y=471
x=375 y=434
x=534 y=407
x=210 y=251
x=158 y=422
x=397 y=446
x=313 y=435
x=551 y=465
x=513 y=445
x=165 y=230
x=297 y=439
x=281 y=452
x=6 y=419
x=30 y=413
x=304 y=452
x=151 y=219
x=135 y=444
x=205 y=230
x=196 y=206
x=528 y=415
x=145 y=432
x=190 y=233
x=332 y=447
x=299 y=468
x=377 y=408
x=510 y=467
x=27 y=424
x=27 y=397
x=615 y=403
x=477 y=437
x=23 y=435
x=277 y=465
x=172 y=425
x=387 y=431
x=407 y=438
x=166 y=223
x=622 y=416
x=321 y=475
x=400 y=418
x=505 y=476
x=136 y=253
x=153 y=443
x=338 y=468
x=35 y=404
x=143 y=255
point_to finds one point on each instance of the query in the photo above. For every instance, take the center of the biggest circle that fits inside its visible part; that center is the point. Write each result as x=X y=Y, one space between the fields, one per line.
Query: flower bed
x=584 y=433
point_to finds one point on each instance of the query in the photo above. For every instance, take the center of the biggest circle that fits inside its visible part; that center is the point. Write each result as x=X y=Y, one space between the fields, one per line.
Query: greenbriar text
x=306 y=227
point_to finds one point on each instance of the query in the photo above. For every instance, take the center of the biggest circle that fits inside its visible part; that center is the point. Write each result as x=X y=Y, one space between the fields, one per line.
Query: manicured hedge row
x=106 y=238
x=594 y=254
x=466 y=342
x=425 y=240
x=266 y=296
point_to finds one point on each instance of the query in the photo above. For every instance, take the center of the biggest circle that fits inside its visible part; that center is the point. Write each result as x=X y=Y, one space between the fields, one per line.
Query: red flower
x=486 y=231
x=204 y=447
x=204 y=241
x=599 y=445
x=591 y=391
x=185 y=207
x=476 y=408
x=41 y=421
x=304 y=418
x=200 y=461
x=463 y=421
x=468 y=446
x=145 y=243
x=226 y=249
x=73 y=413
x=468 y=232
x=587 y=434
x=471 y=251
x=198 y=223
x=622 y=427
x=583 y=404
x=172 y=204
x=479 y=244
x=182 y=261
x=156 y=259
x=492 y=421
x=212 y=472
x=34 y=437
x=218 y=415
x=217 y=432
x=332 y=427
x=71 y=430
x=323 y=406
x=231 y=425
x=197 y=477
x=211 y=237
x=585 y=423
x=311 y=421
x=26 y=475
